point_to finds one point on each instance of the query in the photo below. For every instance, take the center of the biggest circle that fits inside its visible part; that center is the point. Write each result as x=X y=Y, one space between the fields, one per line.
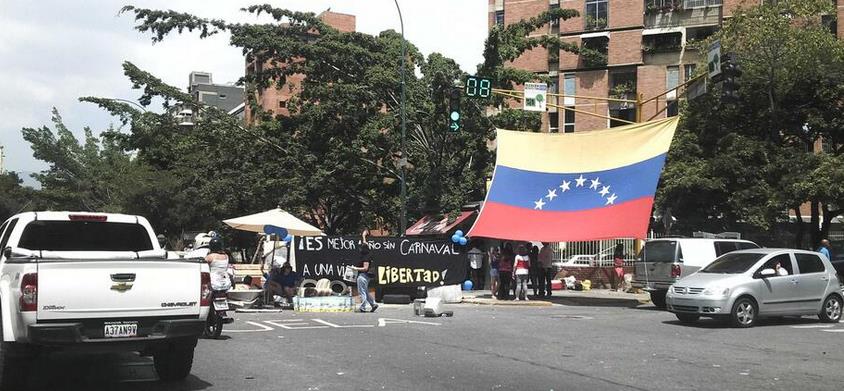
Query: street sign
x=478 y=87
x=713 y=59
x=535 y=96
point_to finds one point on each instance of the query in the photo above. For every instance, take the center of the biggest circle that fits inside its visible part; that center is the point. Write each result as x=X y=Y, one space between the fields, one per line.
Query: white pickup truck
x=95 y=282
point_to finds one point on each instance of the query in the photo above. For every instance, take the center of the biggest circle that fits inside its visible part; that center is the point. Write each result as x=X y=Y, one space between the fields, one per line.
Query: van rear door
x=658 y=258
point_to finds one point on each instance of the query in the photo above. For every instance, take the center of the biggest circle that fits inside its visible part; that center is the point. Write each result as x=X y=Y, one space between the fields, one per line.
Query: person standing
x=546 y=269
x=534 y=269
x=476 y=264
x=494 y=258
x=824 y=249
x=505 y=272
x=522 y=272
x=618 y=265
x=364 y=275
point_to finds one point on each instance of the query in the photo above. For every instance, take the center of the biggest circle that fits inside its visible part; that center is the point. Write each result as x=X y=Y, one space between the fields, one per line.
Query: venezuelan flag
x=575 y=186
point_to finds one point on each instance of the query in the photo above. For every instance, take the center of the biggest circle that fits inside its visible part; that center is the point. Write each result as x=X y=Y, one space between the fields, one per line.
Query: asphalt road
x=484 y=348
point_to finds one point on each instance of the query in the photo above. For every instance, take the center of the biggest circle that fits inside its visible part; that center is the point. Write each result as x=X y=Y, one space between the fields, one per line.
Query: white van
x=664 y=261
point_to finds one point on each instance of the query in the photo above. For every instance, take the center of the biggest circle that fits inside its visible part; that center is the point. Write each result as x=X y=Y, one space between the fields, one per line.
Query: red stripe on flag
x=626 y=220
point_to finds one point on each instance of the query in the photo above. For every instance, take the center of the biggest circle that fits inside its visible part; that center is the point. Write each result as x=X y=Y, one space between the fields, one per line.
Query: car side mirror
x=767 y=273
x=7 y=252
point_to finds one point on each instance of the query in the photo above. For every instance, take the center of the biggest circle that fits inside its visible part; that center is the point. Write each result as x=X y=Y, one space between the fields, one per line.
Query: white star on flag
x=539 y=204
x=551 y=194
x=580 y=180
x=565 y=186
x=595 y=184
x=605 y=190
x=610 y=199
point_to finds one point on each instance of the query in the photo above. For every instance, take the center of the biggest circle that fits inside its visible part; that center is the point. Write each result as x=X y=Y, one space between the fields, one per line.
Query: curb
x=511 y=303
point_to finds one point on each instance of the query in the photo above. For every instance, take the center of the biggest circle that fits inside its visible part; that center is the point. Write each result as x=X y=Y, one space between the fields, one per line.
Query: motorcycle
x=217 y=315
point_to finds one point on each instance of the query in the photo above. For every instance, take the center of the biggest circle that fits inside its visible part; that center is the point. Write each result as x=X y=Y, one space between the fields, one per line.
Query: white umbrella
x=276 y=217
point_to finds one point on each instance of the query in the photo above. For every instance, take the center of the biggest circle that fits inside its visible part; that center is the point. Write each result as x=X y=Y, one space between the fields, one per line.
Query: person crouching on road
x=522 y=272
x=364 y=275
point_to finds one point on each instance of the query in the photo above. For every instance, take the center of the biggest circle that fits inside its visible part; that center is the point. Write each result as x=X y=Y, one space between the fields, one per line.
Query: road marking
x=294 y=325
x=262 y=328
x=813 y=326
x=834 y=331
x=382 y=322
x=339 y=326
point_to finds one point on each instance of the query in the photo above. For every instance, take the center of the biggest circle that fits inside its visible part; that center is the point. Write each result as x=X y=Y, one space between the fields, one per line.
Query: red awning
x=437 y=224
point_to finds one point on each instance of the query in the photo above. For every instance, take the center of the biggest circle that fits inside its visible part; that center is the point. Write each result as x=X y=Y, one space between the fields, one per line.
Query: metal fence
x=600 y=250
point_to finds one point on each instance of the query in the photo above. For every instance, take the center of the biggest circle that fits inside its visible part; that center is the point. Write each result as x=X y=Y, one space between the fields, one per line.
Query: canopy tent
x=276 y=217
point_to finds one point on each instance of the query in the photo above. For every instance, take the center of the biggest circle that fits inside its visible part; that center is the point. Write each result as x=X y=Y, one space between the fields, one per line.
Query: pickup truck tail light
x=29 y=292
x=205 y=289
x=675 y=270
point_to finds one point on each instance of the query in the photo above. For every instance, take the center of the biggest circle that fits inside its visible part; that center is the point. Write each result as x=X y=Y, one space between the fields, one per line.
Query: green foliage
x=14 y=197
x=752 y=162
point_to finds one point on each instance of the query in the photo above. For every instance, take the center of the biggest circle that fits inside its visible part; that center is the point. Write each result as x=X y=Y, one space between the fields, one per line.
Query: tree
x=14 y=198
x=752 y=161
x=335 y=158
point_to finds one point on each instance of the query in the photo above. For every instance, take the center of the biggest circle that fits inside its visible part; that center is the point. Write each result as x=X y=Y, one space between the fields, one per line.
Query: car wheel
x=744 y=313
x=174 y=362
x=658 y=298
x=688 y=318
x=831 y=310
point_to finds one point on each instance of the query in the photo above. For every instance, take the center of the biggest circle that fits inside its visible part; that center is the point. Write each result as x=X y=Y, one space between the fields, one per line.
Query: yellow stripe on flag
x=588 y=151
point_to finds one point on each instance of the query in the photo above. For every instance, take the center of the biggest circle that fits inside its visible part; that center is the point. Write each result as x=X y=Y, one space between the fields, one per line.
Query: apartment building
x=639 y=47
x=275 y=99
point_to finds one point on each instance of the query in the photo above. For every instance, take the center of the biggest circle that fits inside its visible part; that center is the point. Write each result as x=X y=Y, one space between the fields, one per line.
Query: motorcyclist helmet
x=215 y=245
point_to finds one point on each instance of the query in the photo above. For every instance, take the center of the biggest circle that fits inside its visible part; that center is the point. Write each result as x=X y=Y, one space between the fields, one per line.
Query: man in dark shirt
x=283 y=281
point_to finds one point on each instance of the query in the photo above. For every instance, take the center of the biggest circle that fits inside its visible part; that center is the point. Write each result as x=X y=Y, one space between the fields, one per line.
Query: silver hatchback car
x=746 y=284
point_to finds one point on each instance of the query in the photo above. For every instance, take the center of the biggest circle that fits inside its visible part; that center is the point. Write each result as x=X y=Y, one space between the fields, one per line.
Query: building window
x=622 y=86
x=672 y=80
x=689 y=71
x=662 y=43
x=593 y=52
x=687 y=4
x=568 y=120
x=555 y=22
x=568 y=89
x=595 y=16
x=554 y=122
x=499 y=18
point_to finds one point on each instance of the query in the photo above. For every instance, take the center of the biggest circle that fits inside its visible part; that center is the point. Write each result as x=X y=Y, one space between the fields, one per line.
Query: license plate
x=120 y=329
x=221 y=305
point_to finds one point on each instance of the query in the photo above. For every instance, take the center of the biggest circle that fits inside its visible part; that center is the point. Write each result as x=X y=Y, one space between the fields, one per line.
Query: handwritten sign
x=395 y=262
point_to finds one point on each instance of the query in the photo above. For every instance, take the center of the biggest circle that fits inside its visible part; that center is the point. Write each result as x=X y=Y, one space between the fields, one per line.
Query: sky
x=54 y=51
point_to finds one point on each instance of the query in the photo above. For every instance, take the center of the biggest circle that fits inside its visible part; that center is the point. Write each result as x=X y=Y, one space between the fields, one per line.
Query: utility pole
x=2 y=160
x=403 y=160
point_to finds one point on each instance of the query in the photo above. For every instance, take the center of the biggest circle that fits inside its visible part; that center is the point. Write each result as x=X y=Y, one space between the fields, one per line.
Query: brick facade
x=275 y=99
x=628 y=30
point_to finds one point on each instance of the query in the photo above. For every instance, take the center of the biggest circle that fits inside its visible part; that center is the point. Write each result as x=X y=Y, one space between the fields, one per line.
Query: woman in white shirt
x=521 y=270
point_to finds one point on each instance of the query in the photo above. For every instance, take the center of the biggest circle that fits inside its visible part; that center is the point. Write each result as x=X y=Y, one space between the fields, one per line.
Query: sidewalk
x=594 y=297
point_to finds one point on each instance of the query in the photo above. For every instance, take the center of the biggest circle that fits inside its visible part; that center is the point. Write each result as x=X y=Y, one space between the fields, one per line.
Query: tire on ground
x=831 y=309
x=751 y=310
x=174 y=361
x=658 y=298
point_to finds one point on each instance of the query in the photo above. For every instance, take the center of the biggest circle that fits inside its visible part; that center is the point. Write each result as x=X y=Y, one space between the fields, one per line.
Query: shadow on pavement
x=125 y=372
x=586 y=300
x=720 y=323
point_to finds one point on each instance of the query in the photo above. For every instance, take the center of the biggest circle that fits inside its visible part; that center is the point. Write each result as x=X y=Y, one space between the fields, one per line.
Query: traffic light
x=730 y=74
x=454 y=109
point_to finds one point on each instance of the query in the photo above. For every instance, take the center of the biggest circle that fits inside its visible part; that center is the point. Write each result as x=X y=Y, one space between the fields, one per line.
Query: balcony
x=672 y=14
